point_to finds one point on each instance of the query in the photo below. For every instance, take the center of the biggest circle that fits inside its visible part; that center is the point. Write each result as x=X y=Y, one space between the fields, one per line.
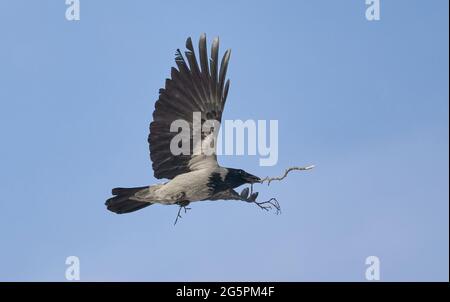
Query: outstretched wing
x=192 y=88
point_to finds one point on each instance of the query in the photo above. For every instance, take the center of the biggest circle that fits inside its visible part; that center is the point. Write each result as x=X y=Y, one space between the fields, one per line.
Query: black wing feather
x=192 y=88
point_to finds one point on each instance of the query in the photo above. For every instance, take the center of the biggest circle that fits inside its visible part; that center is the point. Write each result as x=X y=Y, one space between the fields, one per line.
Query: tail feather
x=123 y=202
x=127 y=191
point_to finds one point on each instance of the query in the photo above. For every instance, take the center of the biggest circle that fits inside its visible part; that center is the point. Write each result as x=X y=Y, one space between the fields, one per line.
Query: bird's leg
x=246 y=192
x=183 y=205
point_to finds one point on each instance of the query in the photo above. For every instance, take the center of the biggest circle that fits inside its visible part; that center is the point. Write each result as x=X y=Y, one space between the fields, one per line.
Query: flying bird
x=195 y=176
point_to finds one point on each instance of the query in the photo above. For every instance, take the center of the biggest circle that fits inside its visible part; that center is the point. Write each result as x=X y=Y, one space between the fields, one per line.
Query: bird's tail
x=123 y=201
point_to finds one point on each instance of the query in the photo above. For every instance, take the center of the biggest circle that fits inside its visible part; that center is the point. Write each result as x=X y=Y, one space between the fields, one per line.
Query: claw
x=183 y=205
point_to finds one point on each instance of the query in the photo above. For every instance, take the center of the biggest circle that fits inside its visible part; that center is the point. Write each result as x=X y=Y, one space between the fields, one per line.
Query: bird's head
x=238 y=177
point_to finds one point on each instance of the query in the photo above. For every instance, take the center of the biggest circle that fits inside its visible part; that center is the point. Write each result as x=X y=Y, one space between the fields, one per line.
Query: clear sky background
x=367 y=102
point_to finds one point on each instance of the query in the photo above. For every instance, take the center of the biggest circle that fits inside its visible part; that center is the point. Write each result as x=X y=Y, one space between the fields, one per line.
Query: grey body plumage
x=192 y=88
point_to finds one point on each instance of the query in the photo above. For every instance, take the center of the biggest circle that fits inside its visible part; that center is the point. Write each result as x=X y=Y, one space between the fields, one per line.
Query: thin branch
x=267 y=205
x=270 y=179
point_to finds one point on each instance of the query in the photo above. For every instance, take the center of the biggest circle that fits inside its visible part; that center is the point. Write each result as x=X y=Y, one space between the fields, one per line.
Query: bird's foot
x=183 y=206
x=244 y=193
x=265 y=205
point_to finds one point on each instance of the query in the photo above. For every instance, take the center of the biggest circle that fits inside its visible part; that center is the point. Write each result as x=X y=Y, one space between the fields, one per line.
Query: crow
x=196 y=176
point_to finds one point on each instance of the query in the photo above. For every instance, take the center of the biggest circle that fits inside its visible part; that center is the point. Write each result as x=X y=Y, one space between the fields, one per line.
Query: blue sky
x=367 y=102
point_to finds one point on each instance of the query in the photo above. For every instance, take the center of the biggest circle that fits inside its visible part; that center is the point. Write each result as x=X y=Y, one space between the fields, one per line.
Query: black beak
x=252 y=179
